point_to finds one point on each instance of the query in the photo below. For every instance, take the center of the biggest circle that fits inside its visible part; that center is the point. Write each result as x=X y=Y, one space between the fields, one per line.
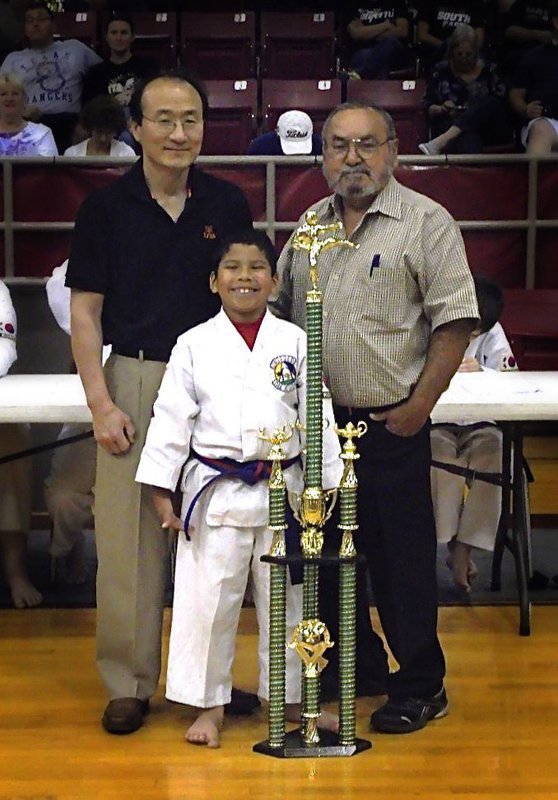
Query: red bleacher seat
x=80 y=25
x=219 y=46
x=231 y=122
x=156 y=36
x=317 y=98
x=298 y=45
x=403 y=101
x=530 y=319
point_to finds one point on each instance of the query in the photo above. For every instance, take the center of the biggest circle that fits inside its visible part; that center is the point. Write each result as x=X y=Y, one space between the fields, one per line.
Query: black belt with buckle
x=148 y=354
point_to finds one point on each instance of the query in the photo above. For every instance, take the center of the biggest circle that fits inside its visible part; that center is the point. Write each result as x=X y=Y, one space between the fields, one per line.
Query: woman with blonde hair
x=18 y=136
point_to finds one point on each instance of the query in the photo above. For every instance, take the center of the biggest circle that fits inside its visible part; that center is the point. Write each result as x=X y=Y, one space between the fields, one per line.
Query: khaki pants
x=132 y=549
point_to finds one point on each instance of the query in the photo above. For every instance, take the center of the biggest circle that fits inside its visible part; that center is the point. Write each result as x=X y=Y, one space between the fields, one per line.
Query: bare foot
x=326 y=721
x=24 y=594
x=76 y=571
x=205 y=729
x=464 y=569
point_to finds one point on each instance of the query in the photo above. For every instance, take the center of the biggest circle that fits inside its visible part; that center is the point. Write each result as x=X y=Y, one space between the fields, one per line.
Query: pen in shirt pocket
x=375 y=263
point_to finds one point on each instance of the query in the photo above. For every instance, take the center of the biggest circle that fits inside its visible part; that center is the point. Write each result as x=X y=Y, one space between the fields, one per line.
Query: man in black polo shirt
x=139 y=274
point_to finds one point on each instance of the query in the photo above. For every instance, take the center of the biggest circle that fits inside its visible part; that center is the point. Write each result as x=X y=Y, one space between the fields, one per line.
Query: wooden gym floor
x=499 y=740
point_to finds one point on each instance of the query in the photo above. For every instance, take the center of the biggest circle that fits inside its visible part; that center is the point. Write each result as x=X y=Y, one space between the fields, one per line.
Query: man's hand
x=113 y=429
x=406 y=419
x=534 y=109
x=162 y=500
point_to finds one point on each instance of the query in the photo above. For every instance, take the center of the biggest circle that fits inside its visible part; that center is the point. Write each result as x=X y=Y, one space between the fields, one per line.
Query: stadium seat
x=403 y=101
x=299 y=45
x=80 y=25
x=530 y=319
x=231 y=122
x=219 y=46
x=156 y=36
x=317 y=98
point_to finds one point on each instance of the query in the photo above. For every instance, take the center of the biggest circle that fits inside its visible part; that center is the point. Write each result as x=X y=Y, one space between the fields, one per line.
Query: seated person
x=468 y=511
x=118 y=75
x=69 y=486
x=534 y=92
x=103 y=120
x=51 y=72
x=525 y=25
x=436 y=22
x=15 y=479
x=294 y=135
x=218 y=390
x=18 y=136
x=465 y=100
x=378 y=31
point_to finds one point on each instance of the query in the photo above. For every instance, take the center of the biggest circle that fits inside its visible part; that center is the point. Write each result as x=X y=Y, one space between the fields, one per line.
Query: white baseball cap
x=294 y=129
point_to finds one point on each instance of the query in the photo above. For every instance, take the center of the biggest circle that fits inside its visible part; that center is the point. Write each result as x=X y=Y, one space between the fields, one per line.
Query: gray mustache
x=355 y=171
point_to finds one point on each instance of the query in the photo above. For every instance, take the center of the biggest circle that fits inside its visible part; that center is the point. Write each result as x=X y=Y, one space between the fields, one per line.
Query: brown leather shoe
x=125 y=715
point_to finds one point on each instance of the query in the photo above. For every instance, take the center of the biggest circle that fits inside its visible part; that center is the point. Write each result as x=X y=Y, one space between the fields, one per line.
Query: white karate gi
x=215 y=397
x=471 y=516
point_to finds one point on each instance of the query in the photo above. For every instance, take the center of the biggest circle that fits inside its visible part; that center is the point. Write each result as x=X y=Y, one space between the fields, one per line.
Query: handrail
x=531 y=223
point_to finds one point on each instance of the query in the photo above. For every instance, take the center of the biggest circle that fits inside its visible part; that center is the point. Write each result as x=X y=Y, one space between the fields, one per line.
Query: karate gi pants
x=471 y=517
x=132 y=550
x=210 y=579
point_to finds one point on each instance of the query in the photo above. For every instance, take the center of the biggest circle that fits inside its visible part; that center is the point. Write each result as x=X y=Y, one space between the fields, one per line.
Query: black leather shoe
x=125 y=715
x=241 y=703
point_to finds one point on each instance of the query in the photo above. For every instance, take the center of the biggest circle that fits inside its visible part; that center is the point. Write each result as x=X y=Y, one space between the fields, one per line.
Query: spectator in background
x=15 y=478
x=294 y=135
x=436 y=22
x=465 y=100
x=378 y=31
x=118 y=75
x=534 y=92
x=18 y=137
x=103 y=118
x=467 y=510
x=524 y=26
x=51 y=72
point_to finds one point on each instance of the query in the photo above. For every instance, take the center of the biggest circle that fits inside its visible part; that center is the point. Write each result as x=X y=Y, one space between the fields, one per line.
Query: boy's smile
x=243 y=282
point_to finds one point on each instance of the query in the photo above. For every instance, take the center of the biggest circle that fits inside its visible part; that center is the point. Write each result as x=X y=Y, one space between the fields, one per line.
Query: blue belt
x=249 y=472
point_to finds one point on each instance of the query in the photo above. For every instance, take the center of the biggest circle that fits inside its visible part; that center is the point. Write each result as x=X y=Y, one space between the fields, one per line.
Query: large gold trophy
x=311 y=638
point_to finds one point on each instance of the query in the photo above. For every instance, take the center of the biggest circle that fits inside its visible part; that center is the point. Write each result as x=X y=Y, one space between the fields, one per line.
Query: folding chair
x=219 y=46
x=403 y=101
x=231 y=122
x=317 y=98
x=299 y=45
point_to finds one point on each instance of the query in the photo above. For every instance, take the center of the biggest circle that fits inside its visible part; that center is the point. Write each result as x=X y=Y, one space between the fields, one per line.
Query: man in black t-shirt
x=377 y=31
x=437 y=21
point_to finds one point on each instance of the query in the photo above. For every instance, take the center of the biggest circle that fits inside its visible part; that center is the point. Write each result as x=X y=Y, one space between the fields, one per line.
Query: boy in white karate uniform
x=241 y=371
x=467 y=512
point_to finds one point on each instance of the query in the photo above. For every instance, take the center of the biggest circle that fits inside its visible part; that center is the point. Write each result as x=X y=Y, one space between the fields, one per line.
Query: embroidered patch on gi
x=208 y=232
x=508 y=364
x=7 y=331
x=284 y=373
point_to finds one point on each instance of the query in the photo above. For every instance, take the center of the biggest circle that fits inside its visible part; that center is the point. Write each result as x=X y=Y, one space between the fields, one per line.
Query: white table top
x=471 y=397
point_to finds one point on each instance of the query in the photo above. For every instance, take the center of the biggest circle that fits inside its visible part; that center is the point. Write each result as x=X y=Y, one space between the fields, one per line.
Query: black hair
x=103 y=113
x=38 y=4
x=490 y=298
x=181 y=75
x=120 y=16
x=249 y=236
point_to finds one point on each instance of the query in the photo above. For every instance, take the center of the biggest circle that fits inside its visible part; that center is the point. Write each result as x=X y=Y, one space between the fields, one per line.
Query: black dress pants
x=398 y=537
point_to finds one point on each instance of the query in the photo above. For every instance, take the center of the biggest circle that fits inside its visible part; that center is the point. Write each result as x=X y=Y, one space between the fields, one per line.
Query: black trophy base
x=328 y=747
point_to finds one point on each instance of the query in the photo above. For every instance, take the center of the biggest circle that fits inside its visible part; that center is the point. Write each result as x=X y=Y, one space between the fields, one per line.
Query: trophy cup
x=311 y=638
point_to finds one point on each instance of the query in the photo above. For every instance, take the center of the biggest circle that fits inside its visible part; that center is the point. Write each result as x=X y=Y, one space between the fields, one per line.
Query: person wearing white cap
x=294 y=135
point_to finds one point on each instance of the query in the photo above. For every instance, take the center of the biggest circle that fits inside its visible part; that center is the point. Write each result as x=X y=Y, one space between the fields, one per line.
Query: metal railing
x=531 y=223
